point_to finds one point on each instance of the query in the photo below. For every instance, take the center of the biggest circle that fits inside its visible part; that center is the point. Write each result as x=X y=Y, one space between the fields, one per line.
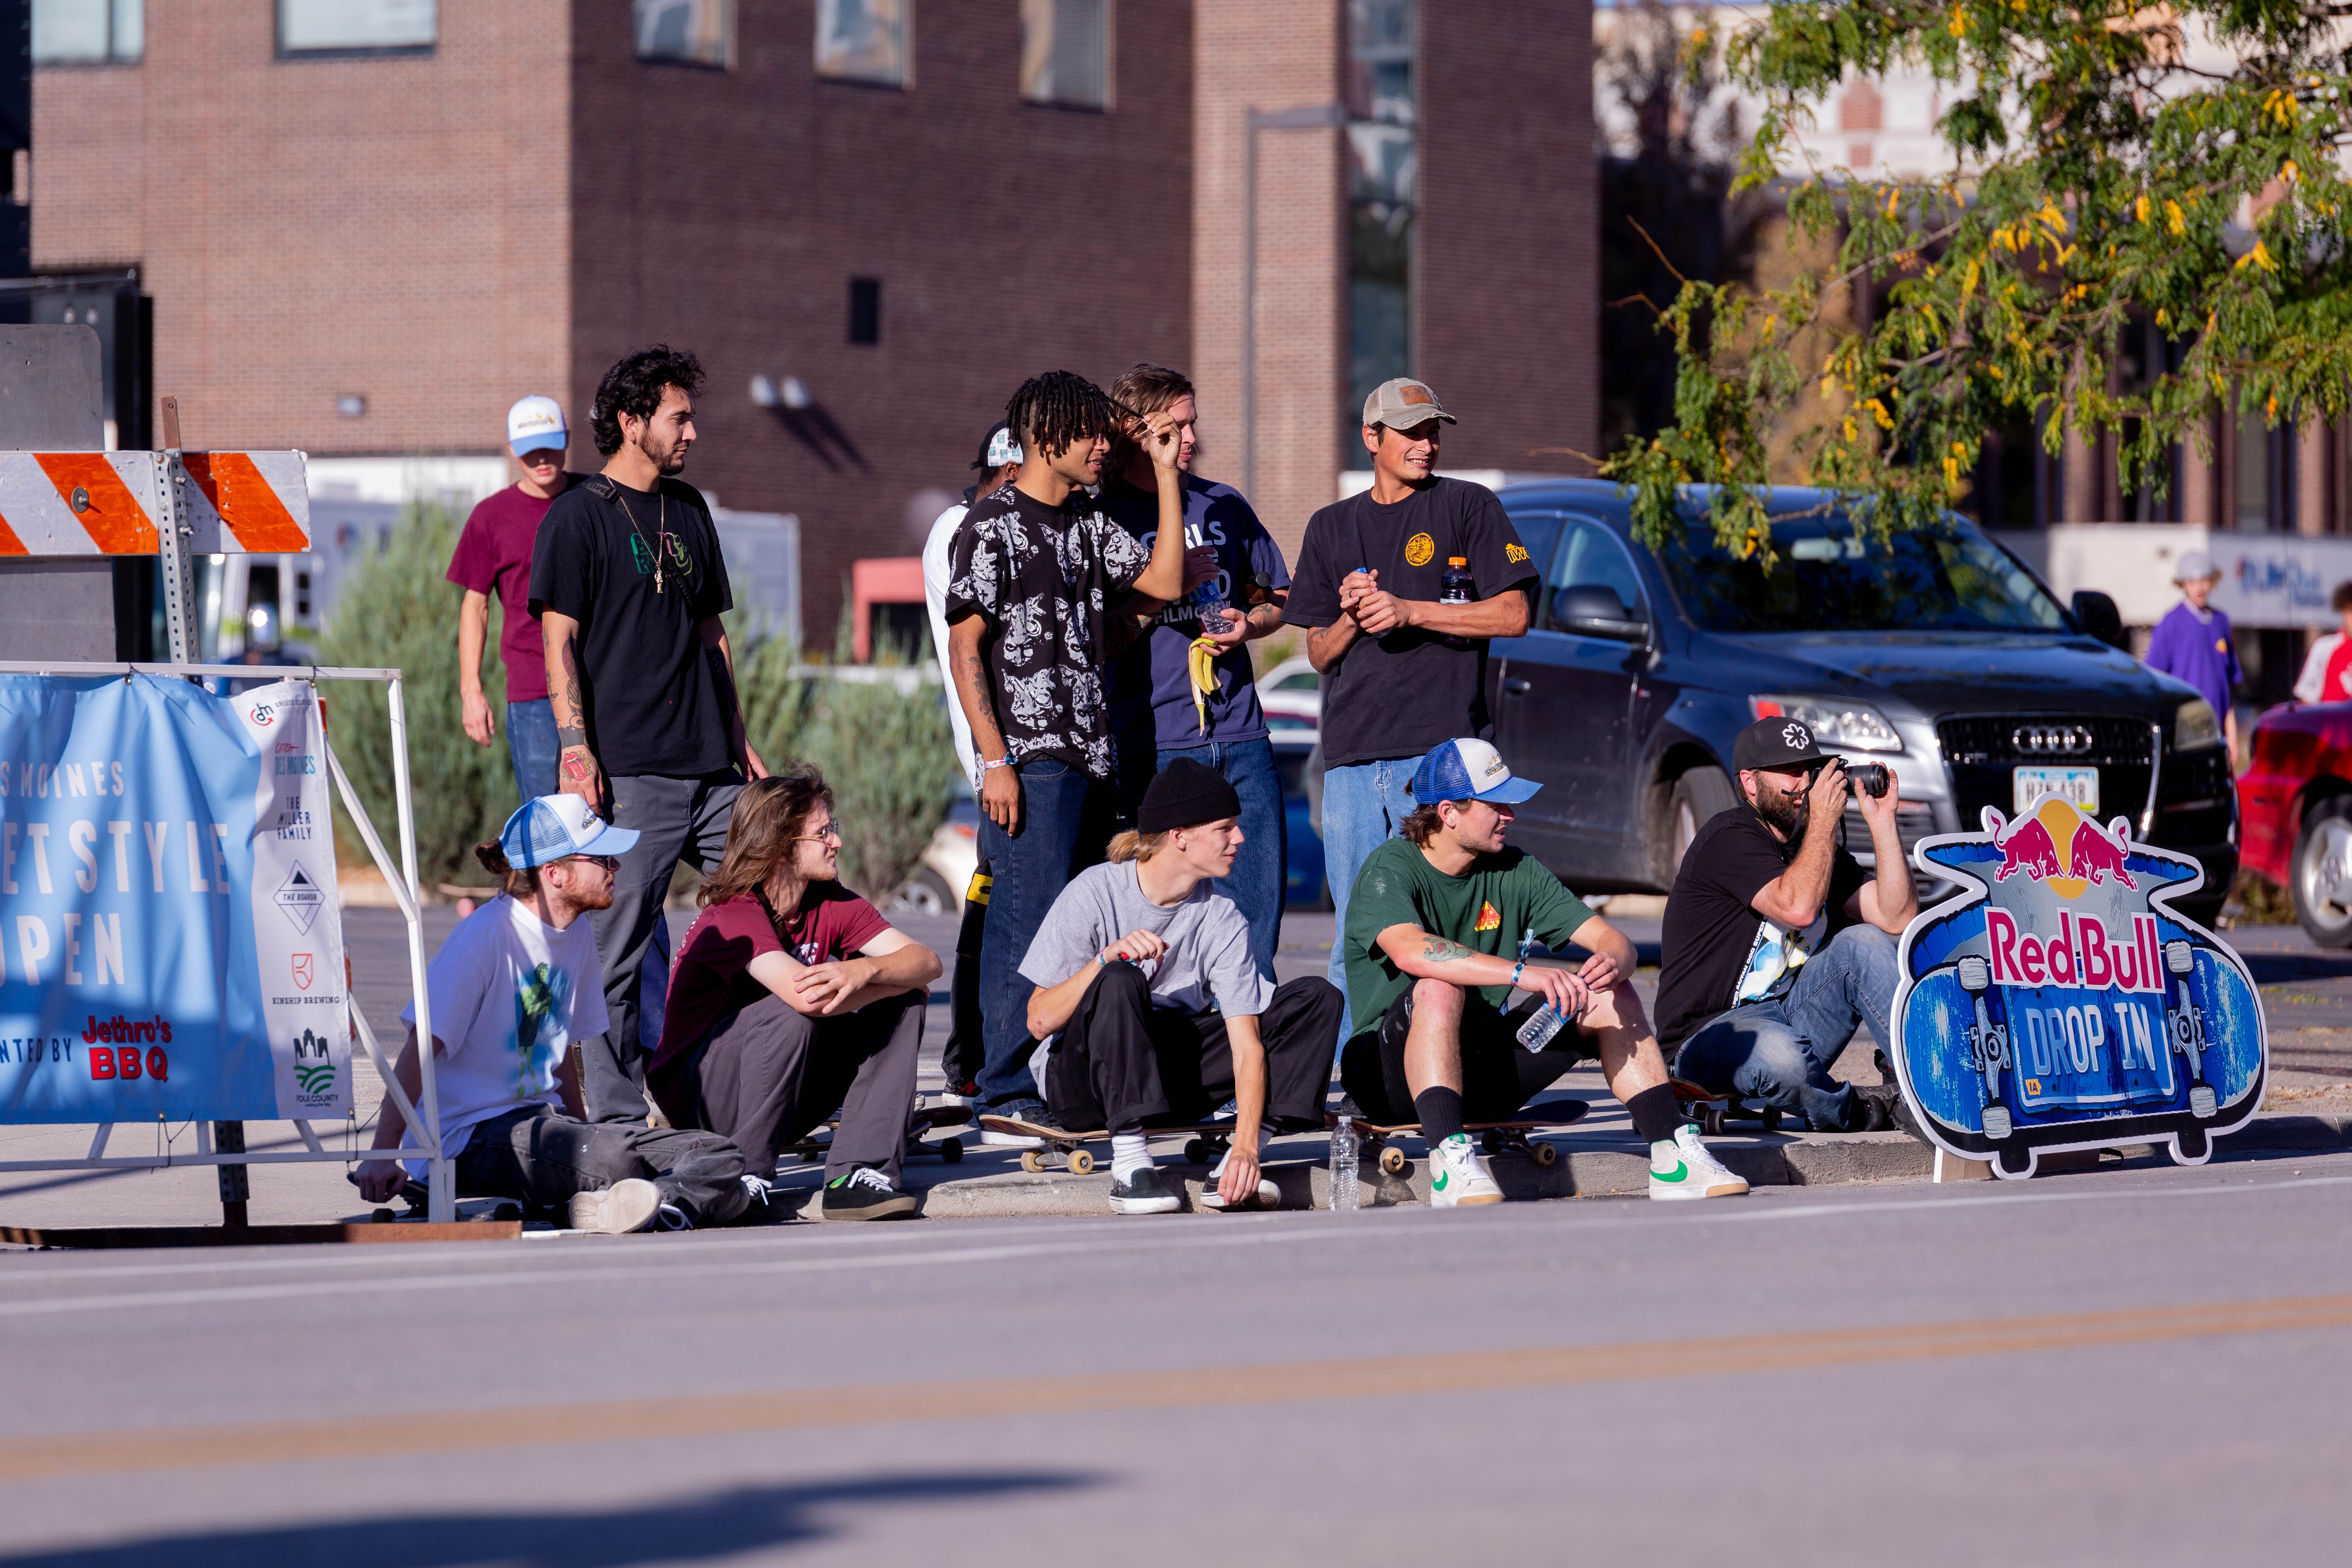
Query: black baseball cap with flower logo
x=1776 y=743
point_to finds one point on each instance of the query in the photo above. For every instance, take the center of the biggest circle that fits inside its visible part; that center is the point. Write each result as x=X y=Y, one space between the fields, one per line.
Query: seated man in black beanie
x=1144 y=971
x=1429 y=923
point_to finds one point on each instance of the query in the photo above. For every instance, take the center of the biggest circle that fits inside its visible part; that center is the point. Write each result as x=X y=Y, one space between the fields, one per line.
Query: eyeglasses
x=610 y=862
x=829 y=834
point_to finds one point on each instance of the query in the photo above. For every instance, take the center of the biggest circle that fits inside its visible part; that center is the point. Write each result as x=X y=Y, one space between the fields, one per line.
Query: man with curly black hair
x=1042 y=588
x=628 y=583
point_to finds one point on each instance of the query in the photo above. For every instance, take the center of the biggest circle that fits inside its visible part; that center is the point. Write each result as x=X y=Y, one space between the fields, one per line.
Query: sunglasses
x=829 y=834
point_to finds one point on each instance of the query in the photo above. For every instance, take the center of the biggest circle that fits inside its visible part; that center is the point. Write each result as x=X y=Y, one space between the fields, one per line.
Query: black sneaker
x=1906 y=1123
x=865 y=1193
x=1874 y=1108
x=1143 y=1193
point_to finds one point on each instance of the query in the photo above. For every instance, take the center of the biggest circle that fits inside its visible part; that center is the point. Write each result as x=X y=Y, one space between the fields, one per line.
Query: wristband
x=1004 y=762
x=1516 y=968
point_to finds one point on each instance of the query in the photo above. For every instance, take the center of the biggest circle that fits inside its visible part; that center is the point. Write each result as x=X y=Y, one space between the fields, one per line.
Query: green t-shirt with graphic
x=1486 y=909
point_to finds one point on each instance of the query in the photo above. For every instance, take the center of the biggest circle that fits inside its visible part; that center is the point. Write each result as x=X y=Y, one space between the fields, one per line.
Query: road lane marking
x=455 y=1430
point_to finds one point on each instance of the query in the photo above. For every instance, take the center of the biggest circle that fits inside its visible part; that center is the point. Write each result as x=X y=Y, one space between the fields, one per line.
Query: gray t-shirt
x=1207 y=966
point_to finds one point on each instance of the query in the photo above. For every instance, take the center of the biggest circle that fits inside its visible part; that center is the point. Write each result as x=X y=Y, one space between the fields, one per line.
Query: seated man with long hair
x=1145 y=973
x=793 y=996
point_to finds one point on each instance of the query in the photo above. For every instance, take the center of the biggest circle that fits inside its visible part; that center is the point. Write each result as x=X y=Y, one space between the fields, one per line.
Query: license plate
x=2080 y=785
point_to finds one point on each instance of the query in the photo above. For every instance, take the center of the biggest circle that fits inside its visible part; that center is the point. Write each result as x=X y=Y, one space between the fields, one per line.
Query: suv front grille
x=1983 y=749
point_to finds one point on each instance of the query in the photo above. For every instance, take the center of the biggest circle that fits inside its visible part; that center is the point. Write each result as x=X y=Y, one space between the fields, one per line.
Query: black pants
x=539 y=1155
x=1499 y=1075
x=966 y=1049
x=1121 y=1063
x=768 y=1075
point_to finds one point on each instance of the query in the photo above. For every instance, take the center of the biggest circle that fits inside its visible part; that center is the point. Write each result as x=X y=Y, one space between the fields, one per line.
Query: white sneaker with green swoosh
x=1458 y=1177
x=1680 y=1168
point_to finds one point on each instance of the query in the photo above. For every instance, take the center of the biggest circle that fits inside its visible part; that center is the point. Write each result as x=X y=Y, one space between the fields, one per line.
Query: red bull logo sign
x=2059 y=1002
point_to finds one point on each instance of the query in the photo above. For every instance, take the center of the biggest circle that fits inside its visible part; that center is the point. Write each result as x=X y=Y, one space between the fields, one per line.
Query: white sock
x=1265 y=1137
x=1128 y=1154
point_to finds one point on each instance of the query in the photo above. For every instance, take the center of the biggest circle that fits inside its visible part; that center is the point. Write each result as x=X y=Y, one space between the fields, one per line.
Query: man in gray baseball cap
x=1400 y=587
x=2195 y=643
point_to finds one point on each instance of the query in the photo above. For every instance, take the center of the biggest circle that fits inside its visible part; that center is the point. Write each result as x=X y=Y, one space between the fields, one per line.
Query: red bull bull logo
x=2062 y=849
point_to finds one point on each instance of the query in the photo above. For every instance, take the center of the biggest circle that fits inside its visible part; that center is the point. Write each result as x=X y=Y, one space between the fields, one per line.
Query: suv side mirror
x=1596 y=612
x=2098 y=616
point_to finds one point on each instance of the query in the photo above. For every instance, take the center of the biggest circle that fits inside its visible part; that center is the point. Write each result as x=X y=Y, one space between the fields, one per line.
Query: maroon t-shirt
x=712 y=974
x=493 y=557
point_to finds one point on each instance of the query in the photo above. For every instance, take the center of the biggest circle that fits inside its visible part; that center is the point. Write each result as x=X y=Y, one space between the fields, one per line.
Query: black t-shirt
x=1044 y=578
x=1715 y=951
x=1401 y=695
x=654 y=706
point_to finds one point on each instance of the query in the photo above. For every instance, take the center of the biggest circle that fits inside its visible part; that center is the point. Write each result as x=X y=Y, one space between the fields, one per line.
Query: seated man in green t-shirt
x=1432 y=923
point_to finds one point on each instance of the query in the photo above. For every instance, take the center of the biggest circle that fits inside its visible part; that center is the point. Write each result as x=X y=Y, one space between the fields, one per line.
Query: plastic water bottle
x=1347 y=1195
x=1541 y=1026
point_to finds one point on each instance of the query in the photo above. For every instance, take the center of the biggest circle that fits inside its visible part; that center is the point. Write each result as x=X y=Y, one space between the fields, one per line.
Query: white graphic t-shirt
x=510 y=995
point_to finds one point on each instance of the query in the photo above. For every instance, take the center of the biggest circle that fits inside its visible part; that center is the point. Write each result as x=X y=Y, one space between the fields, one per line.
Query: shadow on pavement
x=719 y=1525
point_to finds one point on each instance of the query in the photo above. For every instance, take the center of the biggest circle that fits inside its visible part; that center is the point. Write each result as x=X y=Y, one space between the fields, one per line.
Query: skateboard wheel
x=1492 y=1142
x=1196 y=1150
x=1081 y=1163
x=1710 y=1121
x=1393 y=1160
x=1032 y=1161
x=1771 y=1119
x=383 y=1216
x=951 y=1150
x=1543 y=1153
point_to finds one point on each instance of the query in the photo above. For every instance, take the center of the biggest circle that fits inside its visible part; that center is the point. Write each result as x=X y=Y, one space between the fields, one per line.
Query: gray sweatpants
x=676 y=819
x=767 y=1075
x=540 y=1156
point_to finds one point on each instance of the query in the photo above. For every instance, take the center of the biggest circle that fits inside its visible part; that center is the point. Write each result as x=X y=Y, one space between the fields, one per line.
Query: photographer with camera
x=1777 y=944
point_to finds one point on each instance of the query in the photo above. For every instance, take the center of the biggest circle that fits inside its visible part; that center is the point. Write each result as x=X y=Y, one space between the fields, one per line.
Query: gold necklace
x=660 y=541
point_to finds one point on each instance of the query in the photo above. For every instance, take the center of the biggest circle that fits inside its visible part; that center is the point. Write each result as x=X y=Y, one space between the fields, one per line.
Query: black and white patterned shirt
x=1044 y=579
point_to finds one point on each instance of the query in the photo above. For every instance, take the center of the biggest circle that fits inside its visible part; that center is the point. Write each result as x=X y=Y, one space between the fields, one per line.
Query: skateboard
x=1205 y=1145
x=927 y=1117
x=1494 y=1137
x=1712 y=1111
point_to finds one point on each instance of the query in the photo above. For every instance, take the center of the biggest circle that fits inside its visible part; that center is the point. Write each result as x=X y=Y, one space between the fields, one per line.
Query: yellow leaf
x=2287 y=171
x=1960 y=23
x=1852 y=435
x=1878 y=412
x=2173 y=219
x=2270 y=409
x=2139 y=205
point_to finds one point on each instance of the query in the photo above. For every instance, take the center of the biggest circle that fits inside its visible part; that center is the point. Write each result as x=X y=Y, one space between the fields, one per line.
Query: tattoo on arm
x=977 y=667
x=1437 y=950
x=571 y=727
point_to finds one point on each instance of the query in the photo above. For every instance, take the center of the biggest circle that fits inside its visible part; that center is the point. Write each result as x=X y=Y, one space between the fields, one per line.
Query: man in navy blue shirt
x=2194 y=643
x=1153 y=711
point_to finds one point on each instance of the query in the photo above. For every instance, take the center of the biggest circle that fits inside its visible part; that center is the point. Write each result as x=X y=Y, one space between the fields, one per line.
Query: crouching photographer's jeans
x=1779 y=1052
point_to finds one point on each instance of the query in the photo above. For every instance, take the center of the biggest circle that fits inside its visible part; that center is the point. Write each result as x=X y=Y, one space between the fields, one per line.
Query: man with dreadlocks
x=1042 y=589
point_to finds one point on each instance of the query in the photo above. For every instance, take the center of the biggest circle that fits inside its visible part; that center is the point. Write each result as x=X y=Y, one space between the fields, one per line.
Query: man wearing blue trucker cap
x=1435 y=921
x=493 y=557
x=514 y=986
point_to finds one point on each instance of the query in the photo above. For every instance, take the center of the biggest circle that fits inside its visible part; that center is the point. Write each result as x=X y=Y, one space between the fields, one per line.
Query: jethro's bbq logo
x=120 y=1047
x=2060 y=1002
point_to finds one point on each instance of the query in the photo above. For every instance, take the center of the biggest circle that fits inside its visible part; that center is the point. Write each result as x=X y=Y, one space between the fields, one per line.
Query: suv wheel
x=1699 y=795
x=2321 y=874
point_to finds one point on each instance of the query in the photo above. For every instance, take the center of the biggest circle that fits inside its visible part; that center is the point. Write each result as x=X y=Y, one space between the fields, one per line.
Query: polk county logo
x=1420 y=550
x=2060 y=1003
x=314 y=1070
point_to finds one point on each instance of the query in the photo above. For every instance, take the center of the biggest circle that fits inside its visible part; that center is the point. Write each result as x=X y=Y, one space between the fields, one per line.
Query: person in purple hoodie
x=2194 y=642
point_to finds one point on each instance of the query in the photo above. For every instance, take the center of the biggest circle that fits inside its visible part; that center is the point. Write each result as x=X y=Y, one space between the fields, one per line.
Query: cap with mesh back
x=545 y=830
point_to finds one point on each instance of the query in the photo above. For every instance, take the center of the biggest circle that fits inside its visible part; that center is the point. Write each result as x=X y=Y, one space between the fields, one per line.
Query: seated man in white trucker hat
x=512 y=989
x=1435 y=922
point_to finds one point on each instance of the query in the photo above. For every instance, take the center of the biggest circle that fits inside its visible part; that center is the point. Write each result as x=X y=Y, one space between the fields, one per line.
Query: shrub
x=396 y=611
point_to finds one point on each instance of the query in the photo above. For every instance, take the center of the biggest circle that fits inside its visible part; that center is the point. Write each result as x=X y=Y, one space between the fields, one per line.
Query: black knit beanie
x=1186 y=795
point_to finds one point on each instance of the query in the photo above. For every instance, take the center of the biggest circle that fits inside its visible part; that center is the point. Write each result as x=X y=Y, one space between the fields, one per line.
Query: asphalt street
x=2121 y=1366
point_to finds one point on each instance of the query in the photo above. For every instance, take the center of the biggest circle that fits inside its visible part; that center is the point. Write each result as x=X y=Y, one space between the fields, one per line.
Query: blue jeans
x=531 y=748
x=1061 y=810
x=1255 y=886
x=1779 y=1052
x=1363 y=804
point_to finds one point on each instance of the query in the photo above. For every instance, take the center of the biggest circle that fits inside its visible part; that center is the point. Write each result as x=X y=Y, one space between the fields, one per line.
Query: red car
x=2294 y=802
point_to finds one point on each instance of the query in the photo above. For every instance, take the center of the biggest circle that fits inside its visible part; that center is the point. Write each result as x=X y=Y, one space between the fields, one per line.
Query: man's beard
x=665 y=462
x=1786 y=812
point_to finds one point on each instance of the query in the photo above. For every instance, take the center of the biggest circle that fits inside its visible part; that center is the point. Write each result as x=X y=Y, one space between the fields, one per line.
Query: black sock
x=1656 y=1112
x=1440 y=1110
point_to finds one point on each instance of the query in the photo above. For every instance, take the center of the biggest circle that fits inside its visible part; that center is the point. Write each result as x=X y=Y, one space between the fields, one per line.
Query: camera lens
x=1871 y=778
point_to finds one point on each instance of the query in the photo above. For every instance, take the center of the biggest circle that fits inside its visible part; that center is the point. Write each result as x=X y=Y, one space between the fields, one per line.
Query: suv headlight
x=2195 y=728
x=1857 y=725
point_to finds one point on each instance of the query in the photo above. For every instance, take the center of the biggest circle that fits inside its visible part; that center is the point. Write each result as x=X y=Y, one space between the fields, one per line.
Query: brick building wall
x=1270 y=56
x=310 y=229
x=1507 y=276
x=726 y=212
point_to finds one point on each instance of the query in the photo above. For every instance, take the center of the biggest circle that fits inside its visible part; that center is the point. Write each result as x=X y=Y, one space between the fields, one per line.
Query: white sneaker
x=994 y=1138
x=1268 y=1195
x=1694 y=1174
x=1458 y=1177
x=625 y=1206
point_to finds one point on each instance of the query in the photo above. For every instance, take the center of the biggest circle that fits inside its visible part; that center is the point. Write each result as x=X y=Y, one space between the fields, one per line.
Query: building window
x=357 y=26
x=88 y=32
x=866 y=310
x=1383 y=192
x=693 y=32
x=862 y=40
x=2257 y=509
x=1066 y=52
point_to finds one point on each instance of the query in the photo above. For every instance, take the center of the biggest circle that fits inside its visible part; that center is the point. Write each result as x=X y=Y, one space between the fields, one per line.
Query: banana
x=1200 y=660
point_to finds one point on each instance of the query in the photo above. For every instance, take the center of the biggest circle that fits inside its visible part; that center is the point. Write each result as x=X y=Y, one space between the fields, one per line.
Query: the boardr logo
x=301 y=899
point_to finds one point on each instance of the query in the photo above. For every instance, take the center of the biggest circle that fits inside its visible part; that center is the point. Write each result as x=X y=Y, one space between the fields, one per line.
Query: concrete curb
x=1619 y=1170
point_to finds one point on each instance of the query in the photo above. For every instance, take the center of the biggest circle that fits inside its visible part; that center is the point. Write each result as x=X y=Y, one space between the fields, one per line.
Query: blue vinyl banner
x=170 y=943
x=2060 y=1002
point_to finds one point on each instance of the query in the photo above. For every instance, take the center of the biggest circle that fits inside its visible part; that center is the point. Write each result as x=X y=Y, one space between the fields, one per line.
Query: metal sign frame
x=440 y=1173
